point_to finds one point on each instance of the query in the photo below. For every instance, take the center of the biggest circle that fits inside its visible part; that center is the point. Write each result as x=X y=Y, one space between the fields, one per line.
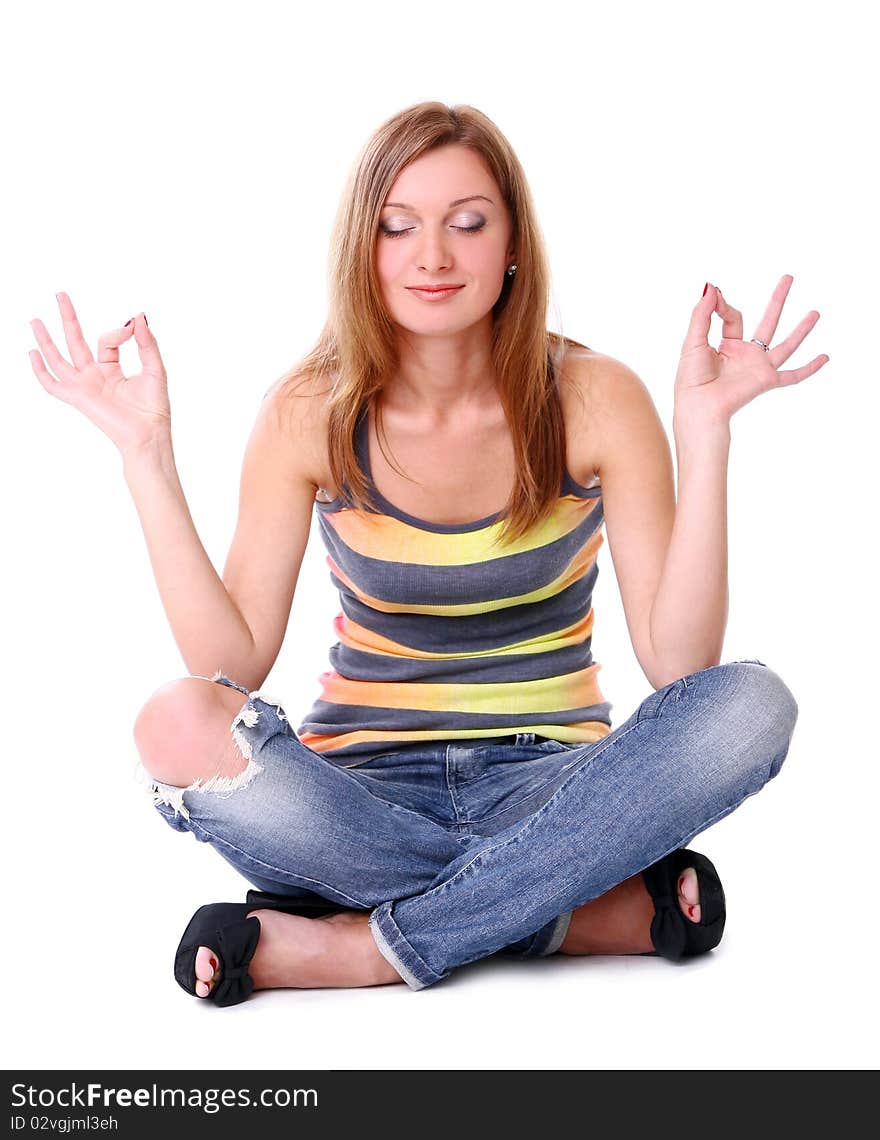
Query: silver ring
x=765 y=347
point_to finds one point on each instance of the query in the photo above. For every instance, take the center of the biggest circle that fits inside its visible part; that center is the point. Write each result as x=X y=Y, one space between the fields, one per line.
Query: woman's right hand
x=132 y=411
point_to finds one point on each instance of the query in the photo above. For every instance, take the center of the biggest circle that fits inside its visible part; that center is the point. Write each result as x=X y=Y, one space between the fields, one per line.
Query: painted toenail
x=201 y=989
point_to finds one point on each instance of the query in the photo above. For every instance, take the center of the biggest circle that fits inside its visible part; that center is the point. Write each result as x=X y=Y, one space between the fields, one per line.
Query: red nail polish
x=705 y=287
x=127 y=323
x=146 y=322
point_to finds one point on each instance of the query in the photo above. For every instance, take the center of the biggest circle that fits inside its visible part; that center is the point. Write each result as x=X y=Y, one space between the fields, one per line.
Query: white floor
x=105 y=888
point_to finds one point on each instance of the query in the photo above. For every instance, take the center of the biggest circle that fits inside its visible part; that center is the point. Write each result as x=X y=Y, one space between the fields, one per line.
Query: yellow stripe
x=544 y=695
x=387 y=539
x=576 y=569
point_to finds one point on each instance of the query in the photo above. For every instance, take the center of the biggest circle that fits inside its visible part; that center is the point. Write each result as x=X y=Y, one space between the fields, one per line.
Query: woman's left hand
x=712 y=384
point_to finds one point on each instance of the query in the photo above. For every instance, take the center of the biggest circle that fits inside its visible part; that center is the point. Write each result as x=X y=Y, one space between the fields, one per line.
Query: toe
x=689 y=894
x=206 y=965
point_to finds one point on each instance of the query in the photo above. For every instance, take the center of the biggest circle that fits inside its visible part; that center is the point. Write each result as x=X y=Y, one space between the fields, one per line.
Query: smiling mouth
x=442 y=291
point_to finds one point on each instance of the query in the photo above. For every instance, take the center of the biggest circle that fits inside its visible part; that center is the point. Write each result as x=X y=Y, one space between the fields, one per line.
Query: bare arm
x=208 y=627
x=236 y=623
x=670 y=561
x=689 y=615
x=672 y=558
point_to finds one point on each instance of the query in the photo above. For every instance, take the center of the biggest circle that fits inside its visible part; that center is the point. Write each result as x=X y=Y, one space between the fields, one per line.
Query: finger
x=794 y=375
x=701 y=320
x=108 y=344
x=54 y=387
x=80 y=353
x=785 y=348
x=55 y=360
x=766 y=329
x=732 y=326
x=148 y=349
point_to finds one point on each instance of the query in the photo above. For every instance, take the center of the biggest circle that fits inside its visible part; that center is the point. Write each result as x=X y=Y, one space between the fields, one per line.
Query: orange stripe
x=581 y=732
x=544 y=695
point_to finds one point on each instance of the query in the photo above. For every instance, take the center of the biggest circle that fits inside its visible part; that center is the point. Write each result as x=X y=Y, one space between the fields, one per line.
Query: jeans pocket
x=363 y=762
x=547 y=745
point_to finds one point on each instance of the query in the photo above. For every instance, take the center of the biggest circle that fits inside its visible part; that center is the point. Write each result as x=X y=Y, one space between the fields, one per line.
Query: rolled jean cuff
x=543 y=942
x=414 y=970
x=548 y=940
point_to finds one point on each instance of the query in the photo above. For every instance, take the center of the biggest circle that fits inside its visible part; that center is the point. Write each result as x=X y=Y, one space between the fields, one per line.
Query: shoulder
x=297 y=402
x=607 y=405
x=603 y=382
x=291 y=422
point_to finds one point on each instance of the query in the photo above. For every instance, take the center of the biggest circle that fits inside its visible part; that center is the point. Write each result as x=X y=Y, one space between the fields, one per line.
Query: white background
x=186 y=160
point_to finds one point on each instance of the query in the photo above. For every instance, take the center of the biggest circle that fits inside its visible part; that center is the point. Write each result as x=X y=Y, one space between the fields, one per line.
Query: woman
x=457 y=791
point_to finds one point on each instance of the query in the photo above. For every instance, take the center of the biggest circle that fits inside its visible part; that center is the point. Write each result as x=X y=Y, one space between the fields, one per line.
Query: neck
x=439 y=375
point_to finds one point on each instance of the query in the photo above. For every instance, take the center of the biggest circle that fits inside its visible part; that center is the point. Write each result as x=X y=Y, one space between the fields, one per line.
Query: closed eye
x=460 y=229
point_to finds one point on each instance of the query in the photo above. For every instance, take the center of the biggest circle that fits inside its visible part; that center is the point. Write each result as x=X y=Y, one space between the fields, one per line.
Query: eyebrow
x=457 y=202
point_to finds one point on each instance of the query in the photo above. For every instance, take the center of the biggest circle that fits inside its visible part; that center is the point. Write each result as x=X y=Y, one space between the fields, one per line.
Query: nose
x=433 y=254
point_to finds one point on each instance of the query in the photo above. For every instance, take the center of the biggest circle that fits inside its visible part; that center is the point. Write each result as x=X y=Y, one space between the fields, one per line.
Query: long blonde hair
x=357 y=348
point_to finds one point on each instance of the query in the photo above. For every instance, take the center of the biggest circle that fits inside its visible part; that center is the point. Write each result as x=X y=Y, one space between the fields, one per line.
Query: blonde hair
x=357 y=348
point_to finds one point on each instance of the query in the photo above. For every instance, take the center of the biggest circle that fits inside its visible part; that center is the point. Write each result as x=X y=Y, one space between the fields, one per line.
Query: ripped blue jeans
x=473 y=848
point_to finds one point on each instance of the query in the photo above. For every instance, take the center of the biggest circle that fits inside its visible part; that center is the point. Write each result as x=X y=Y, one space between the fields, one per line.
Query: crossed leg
x=182 y=735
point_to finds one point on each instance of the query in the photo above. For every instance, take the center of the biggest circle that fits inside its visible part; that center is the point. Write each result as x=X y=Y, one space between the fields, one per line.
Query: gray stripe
x=360 y=666
x=482 y=581
x=478 y=632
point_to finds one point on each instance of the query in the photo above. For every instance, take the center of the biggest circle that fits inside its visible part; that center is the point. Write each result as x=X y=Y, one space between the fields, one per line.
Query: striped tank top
x=443 y=636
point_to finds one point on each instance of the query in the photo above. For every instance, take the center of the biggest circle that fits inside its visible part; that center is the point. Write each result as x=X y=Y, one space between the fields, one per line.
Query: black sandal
x=233 y=937
x=673 y=935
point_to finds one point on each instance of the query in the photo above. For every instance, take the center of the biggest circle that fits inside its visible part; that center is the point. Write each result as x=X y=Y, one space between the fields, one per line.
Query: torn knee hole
x=218 y=784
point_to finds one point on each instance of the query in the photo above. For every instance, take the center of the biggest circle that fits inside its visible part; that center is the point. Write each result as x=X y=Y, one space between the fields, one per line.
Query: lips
x=434 y=288
x=434 y=295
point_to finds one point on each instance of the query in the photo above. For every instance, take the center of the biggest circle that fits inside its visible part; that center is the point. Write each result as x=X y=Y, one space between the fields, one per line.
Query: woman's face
x=425 y=239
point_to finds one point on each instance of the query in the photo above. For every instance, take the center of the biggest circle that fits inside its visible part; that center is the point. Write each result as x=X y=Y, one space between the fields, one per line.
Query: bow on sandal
x=673 y=935
x=233 y=938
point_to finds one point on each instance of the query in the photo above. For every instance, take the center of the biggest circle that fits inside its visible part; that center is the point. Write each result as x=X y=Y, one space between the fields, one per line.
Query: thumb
x=148 y=348
x=701 y=319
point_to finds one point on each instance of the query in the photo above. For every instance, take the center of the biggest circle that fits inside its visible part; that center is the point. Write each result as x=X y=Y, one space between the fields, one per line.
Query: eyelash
x=461 y=230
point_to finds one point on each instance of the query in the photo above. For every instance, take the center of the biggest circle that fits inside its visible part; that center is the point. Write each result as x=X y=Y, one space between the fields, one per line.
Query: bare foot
x=619 y=922
x=306 y=953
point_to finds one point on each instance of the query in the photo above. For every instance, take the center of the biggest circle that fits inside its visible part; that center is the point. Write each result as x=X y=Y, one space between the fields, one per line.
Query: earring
x=511 y=269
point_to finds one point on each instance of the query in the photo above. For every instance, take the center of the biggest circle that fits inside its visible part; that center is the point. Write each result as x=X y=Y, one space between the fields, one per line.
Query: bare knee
x=183 y=732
